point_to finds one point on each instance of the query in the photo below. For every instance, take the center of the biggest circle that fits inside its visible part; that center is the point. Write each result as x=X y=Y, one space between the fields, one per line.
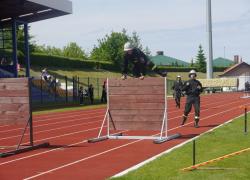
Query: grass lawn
x=222 y=141
x=84 y=73
x=70 y=72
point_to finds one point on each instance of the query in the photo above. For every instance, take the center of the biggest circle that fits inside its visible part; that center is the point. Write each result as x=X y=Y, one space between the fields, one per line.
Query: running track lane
x=104 y=159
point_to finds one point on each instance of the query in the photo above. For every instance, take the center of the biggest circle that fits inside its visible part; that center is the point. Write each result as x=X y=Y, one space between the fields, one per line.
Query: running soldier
x=177 y=87
x=193 y=89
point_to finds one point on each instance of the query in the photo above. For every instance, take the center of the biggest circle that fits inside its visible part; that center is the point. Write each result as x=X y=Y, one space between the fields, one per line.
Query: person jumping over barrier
x=177 y=87
x=193 y=88
x=140 y=62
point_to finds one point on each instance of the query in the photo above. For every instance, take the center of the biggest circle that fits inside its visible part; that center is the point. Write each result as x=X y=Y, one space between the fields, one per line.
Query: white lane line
x=59 y=122
x=53 y=129
x=112 y=149
x=45 y=152
x=42 y=116
x=67 y=116
x=56 y=114
x=76 y=120
x=102 y=116
x=77 y=132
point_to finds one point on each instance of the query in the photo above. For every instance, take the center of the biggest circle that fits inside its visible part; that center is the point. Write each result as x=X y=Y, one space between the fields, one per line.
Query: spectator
x=52 y=82
x=91 y=93
x=177 y=87
x=45 y=75
x=4 y=61
x=247 y=86
x=18 y=67
x=81 y=95
x=104 y=92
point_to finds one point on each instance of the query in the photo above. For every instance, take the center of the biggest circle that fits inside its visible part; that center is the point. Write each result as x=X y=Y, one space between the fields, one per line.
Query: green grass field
x=84 y=73
x=222 y=141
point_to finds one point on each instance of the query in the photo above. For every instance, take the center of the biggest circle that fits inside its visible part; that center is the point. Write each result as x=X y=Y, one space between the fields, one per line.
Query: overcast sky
x=176 y=27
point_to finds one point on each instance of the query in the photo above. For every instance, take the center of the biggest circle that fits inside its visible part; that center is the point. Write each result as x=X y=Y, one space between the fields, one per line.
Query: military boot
x=184 y=119
x=196 y=122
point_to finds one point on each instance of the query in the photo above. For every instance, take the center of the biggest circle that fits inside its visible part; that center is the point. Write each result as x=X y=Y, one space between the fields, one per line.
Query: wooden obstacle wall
x=136 y=104
x=14 y=101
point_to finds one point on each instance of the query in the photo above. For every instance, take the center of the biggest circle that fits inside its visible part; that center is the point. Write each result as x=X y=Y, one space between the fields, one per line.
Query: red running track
x=71 y=157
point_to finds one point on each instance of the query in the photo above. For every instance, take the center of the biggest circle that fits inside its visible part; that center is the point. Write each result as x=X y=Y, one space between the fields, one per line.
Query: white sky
x=175 y=26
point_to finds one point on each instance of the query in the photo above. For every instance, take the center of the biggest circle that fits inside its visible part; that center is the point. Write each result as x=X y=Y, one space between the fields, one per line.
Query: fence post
x=194 y=153
x=245 y=129
x=78 y=86
x=66 y=88
x=73 y=92
x=88 y=81
x=98 y=90
x=41 y=89
x=54 y=86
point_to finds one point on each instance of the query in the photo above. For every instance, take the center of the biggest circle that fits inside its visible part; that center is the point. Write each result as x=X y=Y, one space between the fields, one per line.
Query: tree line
x=109 y=48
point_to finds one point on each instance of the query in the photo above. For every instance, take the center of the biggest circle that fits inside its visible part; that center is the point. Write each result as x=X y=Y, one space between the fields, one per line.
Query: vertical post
x=30 y=111
x=14 y=47
x=88 y=81
x=27 y=51
x=54 y=86
x=210 y=41
x=245 y=129
x=98 y=88
x=78 y=86
x=41 y=89
x=166 y=106
x=194 y=153
x=164 y=120
x=73 y=88
x=108 y=107
x=66 y=88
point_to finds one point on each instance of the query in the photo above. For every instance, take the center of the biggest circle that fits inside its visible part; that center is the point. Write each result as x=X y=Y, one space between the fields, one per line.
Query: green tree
x=176 y=64
x=192 y=62
x=135 y=40
x=110 y=48
x=74 y=51
x=201 y=60
x=21 y=40
x=147 y=51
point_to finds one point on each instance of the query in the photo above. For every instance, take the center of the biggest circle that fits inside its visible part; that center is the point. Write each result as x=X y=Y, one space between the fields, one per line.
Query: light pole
x=210 y=41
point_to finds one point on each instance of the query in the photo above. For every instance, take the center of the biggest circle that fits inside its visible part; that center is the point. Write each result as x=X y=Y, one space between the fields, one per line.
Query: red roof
x=234 y=67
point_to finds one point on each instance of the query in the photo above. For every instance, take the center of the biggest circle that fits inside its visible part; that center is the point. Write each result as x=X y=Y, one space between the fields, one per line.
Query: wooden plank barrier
x=14 y=101
x=15 y=108
x=141 y=101
x=135 y=104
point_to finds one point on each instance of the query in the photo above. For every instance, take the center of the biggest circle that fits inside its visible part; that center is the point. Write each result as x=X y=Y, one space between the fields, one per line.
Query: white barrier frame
x=163 y=135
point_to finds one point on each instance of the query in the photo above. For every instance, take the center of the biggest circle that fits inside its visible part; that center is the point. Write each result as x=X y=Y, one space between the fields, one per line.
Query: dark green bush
x=38 y=59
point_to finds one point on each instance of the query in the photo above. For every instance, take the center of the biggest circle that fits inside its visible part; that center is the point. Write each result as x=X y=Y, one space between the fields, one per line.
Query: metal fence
x=66 y=90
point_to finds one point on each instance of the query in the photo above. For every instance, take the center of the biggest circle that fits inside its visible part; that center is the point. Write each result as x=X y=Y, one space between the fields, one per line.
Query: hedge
x=39 y=59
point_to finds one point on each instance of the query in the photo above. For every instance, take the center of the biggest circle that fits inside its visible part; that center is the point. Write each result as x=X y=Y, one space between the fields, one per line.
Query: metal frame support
x=14 y=47
x=27 y=51
x=29 y=123
x=163 y=136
